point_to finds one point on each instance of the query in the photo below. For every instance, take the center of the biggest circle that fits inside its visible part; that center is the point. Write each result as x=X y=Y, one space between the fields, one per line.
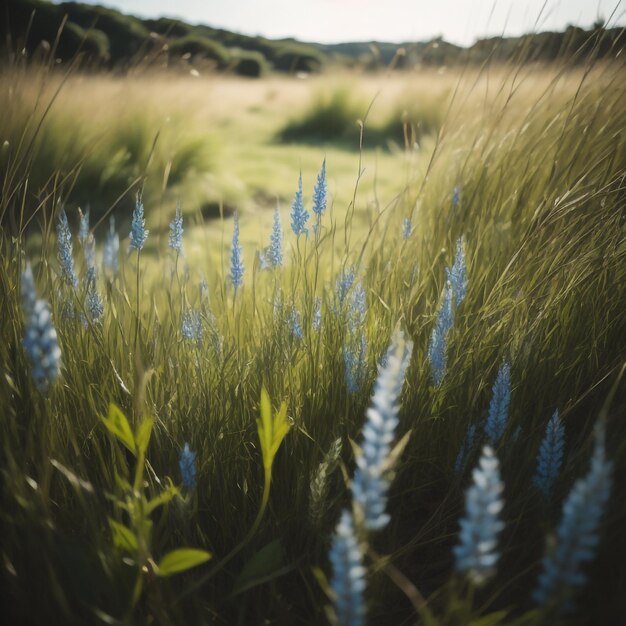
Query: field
x=273 y=415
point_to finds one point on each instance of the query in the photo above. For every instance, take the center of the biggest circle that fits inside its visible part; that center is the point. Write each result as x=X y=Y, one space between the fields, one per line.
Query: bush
x=250 y=64
x=332 y=116
x=297 y=59
x=201 y=48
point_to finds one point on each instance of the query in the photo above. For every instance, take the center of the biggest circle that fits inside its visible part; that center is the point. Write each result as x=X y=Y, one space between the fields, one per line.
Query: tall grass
x=89 y=150
x=541 y=210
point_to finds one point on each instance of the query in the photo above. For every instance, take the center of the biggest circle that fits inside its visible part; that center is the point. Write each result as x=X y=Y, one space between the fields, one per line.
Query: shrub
x=201 y=48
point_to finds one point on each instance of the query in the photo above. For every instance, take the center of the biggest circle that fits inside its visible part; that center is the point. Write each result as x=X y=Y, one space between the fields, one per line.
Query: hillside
x=111 y=39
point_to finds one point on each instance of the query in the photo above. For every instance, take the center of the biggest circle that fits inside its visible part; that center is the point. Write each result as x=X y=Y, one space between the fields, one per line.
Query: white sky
x=327 y=21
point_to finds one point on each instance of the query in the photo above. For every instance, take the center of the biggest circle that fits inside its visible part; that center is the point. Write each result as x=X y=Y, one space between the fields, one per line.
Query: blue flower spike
x=187 y=465
x=577 y=536
x=236 y=257
x=476 y=555
x=299 y=215
x=348 y=578
x=371 y=481
x=138 y=232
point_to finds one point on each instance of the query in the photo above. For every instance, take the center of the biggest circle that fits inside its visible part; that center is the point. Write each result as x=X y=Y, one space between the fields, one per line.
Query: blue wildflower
x=317 y=314
x=93 y=302
x=138 y=232
x=438 y=339
x=176 y=231
x=319 y=193
x=357 y=307
x=577 y=535
x=236 y=257
x=456 y=196
x=457 y=274
x=64 y=241
x=295 y=324
x=476 y=554
x=299 y=215
x=83 y=227
x=204 y=290
x=465 y=449
x=371 y=478
x=499 y=405
x=550 y=457
x=191 y=326
x=354 y=359
x=111 y=249
x=407 y=228
x=187 y=465
x=275 y=251
x=344 y=284
x=41 y=345
x=348 y=579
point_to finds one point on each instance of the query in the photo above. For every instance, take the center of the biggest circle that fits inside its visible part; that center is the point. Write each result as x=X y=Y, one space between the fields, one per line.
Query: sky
x=331 y=21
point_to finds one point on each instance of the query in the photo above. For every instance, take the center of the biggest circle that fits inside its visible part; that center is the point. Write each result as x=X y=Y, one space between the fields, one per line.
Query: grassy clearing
x=539 y=159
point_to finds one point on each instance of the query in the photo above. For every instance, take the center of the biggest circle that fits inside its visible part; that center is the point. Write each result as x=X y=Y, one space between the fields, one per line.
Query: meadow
x=391 y=395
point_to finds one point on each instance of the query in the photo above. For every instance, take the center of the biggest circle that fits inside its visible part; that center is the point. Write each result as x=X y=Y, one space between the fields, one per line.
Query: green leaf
x=271 y=431
x=143 y=434
x=123 y=537
x=118 y=425
x=265 y=565
x=163 y=498
x=181 y=560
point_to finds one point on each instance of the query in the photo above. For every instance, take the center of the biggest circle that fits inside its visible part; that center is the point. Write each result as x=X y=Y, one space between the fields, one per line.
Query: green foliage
x=181 y=560
x=332 y=116
x=249 y=63
x=91 y=162
x=117 y=424
x=297 y=58
x=272 y=431
x=266 y=565
x=136 y=538
x=199 y=47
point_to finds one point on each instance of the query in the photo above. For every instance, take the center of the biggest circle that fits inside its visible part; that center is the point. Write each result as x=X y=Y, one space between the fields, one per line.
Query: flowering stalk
x=577 y=536
x=176 y=232
x=499 y=405
x=550 y=457
x=348 y=579
x=438 y=339
x=371 y=479
x=275 y=250
x=138 y=232
x=407 y=228
x=457 y=274
x=319 y=195
x=40 y=337
x=138 y=236
x=299 y=215
x=187 y=465
x=476 y=554
x=466 y=448
x=236 y=258
x=64 y=241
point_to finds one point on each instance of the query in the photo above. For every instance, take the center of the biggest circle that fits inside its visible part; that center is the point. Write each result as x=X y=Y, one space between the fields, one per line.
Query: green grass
x=542 y=213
